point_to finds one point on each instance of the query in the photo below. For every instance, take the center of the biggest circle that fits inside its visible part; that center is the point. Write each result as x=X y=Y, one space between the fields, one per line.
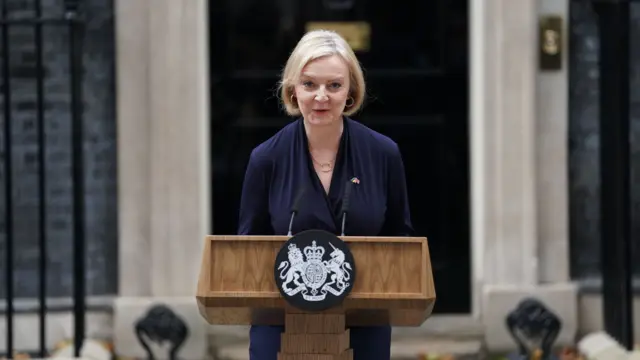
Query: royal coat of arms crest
x=306 y=272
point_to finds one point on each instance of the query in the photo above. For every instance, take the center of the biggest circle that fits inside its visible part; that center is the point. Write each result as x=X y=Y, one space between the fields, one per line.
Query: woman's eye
x=336 y=85
x=307 y=83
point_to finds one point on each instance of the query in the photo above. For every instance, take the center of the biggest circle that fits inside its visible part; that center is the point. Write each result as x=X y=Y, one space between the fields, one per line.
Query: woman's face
x=322 y=90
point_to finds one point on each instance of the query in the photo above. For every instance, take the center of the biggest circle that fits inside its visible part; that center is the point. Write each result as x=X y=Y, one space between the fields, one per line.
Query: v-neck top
x=281 y=166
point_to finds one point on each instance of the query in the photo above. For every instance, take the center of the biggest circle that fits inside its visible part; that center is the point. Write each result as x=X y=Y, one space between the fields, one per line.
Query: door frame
x=519 y=162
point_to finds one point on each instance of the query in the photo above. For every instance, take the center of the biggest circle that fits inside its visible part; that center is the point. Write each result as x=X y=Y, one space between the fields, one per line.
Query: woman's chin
x=320 y=119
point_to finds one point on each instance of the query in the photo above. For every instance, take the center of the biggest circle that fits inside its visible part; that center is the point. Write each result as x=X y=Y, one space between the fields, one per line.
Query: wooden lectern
x=394 y=285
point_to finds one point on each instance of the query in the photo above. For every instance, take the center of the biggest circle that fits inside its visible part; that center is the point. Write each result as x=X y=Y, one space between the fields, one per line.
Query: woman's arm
x=398 y=220
x=254 y=218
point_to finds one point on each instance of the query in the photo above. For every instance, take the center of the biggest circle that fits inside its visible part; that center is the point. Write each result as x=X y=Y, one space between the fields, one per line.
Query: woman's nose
x=321 y=95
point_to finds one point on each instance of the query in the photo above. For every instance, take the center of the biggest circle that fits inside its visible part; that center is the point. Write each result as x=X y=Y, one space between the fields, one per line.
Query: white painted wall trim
x=477 y=113
x=163 y=144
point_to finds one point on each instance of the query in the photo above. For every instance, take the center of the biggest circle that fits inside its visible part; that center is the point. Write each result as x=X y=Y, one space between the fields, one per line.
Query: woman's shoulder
x=372 y=139
x=275 y=146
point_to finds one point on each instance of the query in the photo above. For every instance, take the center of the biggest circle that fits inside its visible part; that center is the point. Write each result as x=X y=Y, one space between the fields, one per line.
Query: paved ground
x=405 y=349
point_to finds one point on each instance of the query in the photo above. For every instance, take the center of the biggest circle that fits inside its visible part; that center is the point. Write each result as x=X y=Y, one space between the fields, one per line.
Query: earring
x=352 y=102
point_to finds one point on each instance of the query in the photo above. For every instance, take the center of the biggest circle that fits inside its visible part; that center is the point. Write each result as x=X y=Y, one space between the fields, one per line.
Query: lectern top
x=394 y=281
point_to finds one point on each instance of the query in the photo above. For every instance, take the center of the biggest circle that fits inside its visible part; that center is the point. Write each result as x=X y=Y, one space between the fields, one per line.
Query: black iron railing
x=73 y=22
x=615 y=192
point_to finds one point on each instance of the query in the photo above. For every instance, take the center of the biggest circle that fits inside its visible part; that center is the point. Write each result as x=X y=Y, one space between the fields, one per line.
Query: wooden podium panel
x=394 y=283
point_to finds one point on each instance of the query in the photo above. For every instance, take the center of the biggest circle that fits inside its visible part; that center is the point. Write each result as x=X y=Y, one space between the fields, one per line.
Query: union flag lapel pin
x=355 y=180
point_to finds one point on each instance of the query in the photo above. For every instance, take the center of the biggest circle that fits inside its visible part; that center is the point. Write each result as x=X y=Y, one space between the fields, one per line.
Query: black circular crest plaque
x=314 y=270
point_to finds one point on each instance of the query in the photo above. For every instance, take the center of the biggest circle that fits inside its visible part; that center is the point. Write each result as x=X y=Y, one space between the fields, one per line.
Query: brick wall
x=99 y=144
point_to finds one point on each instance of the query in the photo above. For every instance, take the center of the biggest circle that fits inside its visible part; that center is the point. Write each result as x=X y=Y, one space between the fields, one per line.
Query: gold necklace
x=324 y=167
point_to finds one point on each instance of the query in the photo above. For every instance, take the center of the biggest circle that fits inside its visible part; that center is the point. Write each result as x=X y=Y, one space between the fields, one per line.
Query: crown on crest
x=292 y=246
x=314 y=252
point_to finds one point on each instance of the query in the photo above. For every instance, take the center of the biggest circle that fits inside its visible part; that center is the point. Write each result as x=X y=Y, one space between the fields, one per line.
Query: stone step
x=412 y=349
x=403 y=349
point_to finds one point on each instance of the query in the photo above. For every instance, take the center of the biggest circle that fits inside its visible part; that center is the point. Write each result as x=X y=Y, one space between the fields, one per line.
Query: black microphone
x=345 y=204
x=295 y=207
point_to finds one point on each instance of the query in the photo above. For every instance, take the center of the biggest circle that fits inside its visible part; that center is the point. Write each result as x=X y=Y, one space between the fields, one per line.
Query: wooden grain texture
x=315 y=336
x=314 y=323
x=334 y=344
x=394 y=283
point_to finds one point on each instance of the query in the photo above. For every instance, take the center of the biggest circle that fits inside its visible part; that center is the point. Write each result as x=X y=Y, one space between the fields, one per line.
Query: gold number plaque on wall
x=356 y=33
x=550 y=43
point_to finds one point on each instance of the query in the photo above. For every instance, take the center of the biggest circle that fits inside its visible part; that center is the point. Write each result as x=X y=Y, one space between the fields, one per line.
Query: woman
x=323 y=84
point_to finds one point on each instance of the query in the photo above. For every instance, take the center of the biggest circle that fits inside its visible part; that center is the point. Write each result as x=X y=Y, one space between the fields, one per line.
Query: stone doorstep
x=408 y=349
x=458 y=327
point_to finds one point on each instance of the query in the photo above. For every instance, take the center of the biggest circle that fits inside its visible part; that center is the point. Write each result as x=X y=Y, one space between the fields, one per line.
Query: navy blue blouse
x=279 y=167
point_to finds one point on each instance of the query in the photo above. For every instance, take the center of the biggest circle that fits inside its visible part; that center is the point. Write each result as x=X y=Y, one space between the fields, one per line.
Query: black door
x=417 y=78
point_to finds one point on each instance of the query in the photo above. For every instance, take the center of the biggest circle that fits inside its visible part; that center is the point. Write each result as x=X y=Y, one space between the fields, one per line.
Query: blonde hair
x=314 y=45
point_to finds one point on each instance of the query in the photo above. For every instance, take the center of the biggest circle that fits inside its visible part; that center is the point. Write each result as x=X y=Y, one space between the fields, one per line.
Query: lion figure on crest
x=291 y=271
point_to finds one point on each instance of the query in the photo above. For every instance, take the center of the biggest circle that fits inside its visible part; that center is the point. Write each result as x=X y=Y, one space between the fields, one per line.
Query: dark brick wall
x=99 y=145
x=584 y=139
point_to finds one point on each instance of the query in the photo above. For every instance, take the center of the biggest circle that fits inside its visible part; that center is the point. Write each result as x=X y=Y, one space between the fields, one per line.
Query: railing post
x=613 y=21
x=8 y=189
x=72 y=13
x=42 y=202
